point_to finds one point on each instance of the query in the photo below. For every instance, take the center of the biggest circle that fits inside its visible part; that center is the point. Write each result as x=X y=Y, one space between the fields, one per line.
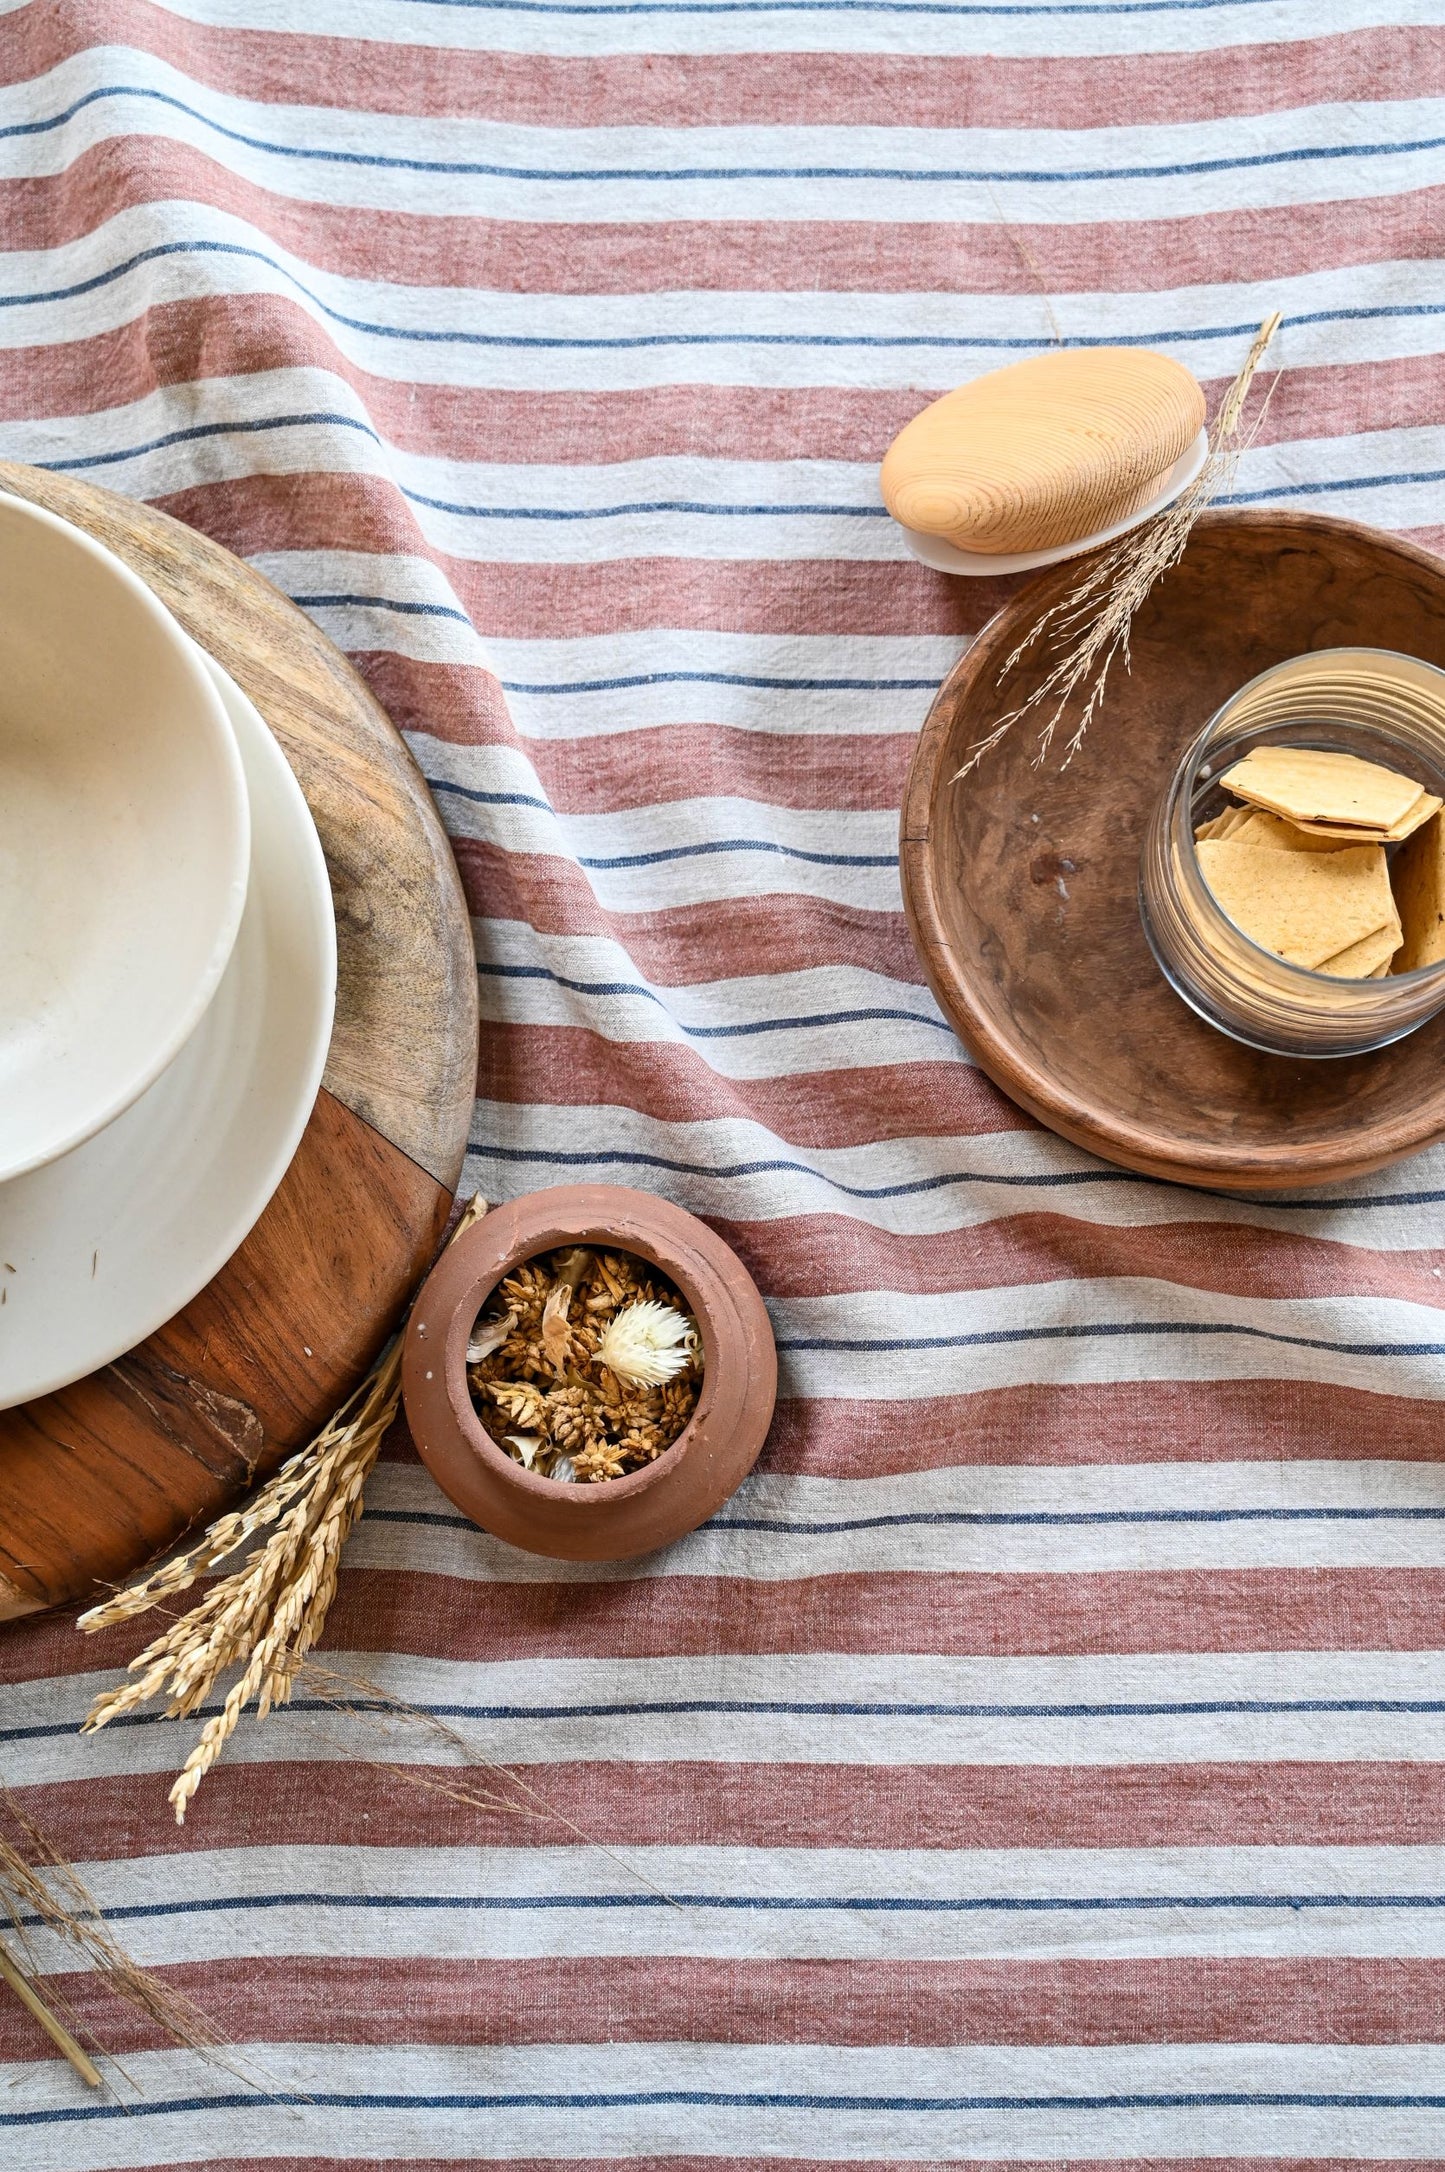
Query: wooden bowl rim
x=1086 y=1123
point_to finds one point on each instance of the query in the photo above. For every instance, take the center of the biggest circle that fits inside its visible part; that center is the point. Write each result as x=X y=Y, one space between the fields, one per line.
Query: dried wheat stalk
x=1091 y=623
x=266 y=1615
x=14 y=1975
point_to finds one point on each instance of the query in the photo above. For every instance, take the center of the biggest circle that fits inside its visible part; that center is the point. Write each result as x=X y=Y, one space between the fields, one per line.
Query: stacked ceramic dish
x=167 y=960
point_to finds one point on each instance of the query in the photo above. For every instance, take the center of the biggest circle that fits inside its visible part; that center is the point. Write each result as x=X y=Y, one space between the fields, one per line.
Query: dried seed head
x=647 y=1344
x=521 y=1402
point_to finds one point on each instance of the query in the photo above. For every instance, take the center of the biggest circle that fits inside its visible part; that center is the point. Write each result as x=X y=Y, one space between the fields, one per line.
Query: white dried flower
x=646 y=1344
x=489 y=1335
x=526 y=1445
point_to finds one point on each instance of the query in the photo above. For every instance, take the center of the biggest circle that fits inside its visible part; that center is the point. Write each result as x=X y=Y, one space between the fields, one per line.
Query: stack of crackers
x=1301 y=866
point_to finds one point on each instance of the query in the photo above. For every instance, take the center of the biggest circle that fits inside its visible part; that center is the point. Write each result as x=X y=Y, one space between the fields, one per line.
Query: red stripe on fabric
x=645 y=256
x=622 y=595
x=809 y=1255
x=663 y=1999
x=605 y=772
x=989 y=1615
x=686 y=90
x=838 y=772
x=181 y=343
x=1090 y=1422
x=1214 y=1610
x=295 y=1803
x=686 y=944
x=569 y=1066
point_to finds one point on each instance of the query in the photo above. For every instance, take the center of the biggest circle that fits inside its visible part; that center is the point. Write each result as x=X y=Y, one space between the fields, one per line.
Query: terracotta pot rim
x=618 y=1518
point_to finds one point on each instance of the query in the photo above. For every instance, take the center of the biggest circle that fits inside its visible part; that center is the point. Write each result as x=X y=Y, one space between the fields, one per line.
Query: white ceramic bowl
x=125 y=837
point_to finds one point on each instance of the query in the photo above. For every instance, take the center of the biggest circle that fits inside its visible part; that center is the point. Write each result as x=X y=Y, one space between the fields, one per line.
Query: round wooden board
x=1021 y=885
x=96 y=1479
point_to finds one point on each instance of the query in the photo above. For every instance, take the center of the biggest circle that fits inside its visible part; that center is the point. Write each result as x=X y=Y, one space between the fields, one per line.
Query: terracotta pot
x=618 y=1517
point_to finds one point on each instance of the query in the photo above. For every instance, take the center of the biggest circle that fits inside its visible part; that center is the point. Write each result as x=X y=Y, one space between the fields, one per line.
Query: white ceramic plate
x=947 y=558
x=100 y=1248
x=124 y=837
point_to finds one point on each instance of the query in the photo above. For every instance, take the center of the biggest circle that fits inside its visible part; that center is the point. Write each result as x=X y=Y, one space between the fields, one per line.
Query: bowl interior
x=1021 y=883
x=124 y=837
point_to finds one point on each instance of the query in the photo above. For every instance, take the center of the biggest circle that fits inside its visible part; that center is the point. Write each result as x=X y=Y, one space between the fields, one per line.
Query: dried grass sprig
x=37 y=1882
x=1091 y=623
x=360 y=1699
x=265 y=1616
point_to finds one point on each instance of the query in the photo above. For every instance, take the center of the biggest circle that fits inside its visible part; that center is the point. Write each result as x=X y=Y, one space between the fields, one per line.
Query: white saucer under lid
x=103 y=1246
x=946 y=557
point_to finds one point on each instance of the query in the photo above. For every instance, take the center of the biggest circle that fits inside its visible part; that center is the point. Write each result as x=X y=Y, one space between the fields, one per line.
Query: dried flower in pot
x=585 y=1365
x=673 y=1303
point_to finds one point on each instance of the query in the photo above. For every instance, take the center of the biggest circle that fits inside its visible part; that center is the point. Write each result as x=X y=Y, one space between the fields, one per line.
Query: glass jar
x=1374 y=703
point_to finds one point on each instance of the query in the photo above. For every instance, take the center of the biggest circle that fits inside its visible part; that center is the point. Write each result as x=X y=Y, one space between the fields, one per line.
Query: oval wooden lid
x=1045 y=452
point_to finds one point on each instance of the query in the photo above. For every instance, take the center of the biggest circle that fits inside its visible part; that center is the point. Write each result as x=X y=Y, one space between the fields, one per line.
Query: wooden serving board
x=1021 y=884
x=96 y=1479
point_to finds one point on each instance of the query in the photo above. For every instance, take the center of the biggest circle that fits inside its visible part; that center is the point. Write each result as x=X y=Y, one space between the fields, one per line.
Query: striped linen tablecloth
x=1042 y=1759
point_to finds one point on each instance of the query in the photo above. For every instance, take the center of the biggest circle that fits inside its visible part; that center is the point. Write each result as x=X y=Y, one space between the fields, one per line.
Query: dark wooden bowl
x=620 y=1517
x=1021 y=885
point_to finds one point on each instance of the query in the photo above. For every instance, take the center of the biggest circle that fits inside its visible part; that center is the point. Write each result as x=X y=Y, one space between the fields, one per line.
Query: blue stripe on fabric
x=725 y=1171
x=643 y=505
x=728 y=2099
x=417 y=333
x=1045 y=1179
x=778 y=1708
x=783 y=1708
x=707 y=1033
x=710 y=846
x=338 y=419
x=762 y=1903
x=792 y=1527
x=327 y=418
x=722 y=678
x=1307 y=154
x=481 y=798
x=796 y=1527
x=650 y=859
x=1069 y=1519
x=1100 y=1329
x=1329 y=485
x=704 y=849
x=628 y=682
x=381 y=603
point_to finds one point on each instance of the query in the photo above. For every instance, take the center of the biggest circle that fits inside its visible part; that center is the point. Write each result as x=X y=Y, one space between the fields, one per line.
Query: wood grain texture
x=1021 y=885
x=98 y=1478
x=402 y=1053
x=1045 y=451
